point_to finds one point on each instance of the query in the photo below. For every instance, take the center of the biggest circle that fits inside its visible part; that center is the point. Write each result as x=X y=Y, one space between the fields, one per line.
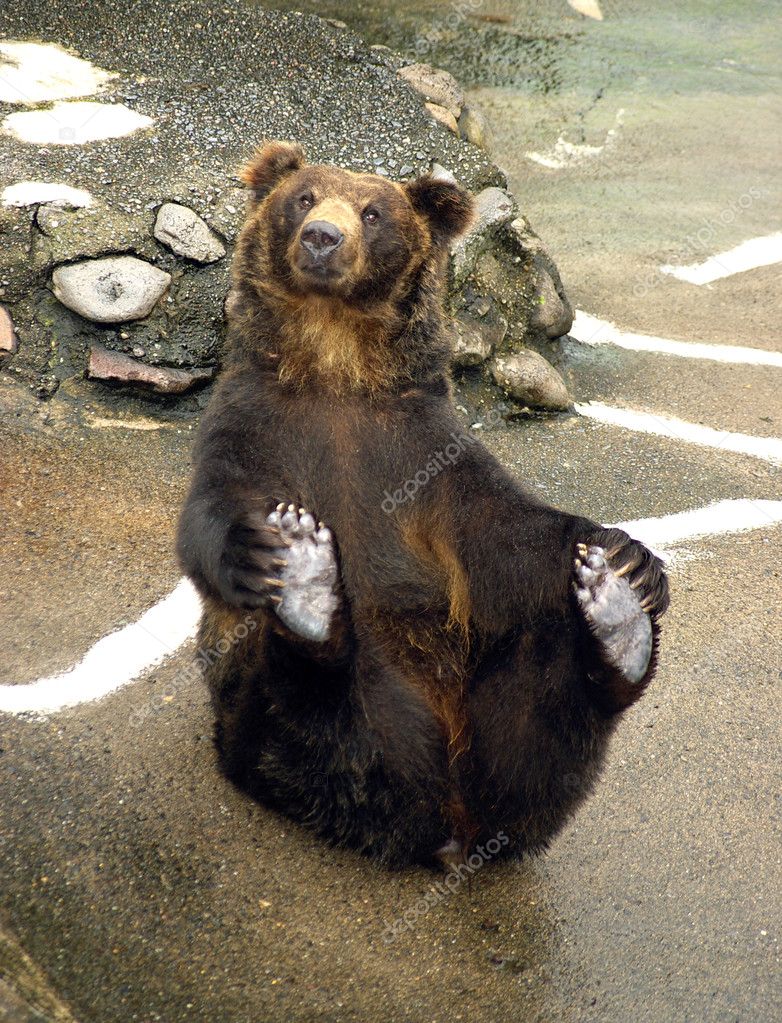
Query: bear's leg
x=538 y=739
x=615 y=613
x=306 y=573
x=350 y=750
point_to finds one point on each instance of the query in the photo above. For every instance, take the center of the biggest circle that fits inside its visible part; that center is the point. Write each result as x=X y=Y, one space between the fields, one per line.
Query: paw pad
x=305 y=600
x=614 y=612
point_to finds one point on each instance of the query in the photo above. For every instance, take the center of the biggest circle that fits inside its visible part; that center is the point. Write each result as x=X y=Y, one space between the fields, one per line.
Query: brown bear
x=420 y=674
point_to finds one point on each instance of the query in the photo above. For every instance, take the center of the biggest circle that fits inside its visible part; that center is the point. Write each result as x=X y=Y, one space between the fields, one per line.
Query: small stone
x=444 y=116
x=527 y=377
x=471 y=346
x=406 y=170
x=186 y=234
x=111 y=290
x=550 y=312
x=8 y=342
x=443 y=174
x=475 y=128
x=116 y=368
x=435 y=85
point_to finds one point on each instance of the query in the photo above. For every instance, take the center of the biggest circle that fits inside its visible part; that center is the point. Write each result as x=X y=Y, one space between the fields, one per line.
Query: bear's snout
x=320 y=238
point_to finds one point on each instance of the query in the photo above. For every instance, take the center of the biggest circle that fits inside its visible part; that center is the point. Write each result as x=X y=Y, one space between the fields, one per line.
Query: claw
x=274 y=582
x=619 y=572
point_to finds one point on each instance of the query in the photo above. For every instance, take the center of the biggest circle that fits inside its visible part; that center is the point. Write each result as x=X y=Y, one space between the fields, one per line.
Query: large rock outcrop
x=203 y=89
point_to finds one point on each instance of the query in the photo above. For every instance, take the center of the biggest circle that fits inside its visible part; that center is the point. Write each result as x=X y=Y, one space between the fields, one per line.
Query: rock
x=529 y=379
x=475 y=128
x=8 y=342
x=111 y=290
x=435 y=85
x=493 y=208
x=550 y=312
x=471 y=345
x=443 y=174
x=116 y=368
x=444 y=116
x=186 y=234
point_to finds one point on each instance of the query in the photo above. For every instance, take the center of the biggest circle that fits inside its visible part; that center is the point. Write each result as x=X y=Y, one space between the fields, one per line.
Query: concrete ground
x=144 y=888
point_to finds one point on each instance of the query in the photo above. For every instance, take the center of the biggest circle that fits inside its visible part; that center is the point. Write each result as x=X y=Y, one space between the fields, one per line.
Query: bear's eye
x=306 y=201
x=370 y=215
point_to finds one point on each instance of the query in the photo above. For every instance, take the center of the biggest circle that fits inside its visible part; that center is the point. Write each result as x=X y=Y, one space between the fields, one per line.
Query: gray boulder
x=185 y=233
x=435 y=85
x=526 y=377
x=112 y=290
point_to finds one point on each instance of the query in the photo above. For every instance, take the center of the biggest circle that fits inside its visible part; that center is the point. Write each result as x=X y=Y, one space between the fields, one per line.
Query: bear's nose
x=320 y=237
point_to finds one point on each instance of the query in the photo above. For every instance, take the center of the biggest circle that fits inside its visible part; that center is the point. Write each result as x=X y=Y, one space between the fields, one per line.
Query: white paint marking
x=32 y=193
x=747 y=256
x=567 y=154
x=589 y=8
x=40 y=72
x=74 y=124
x=113 y=661
x=767 y=448
x=718 y=519
x=590 y=330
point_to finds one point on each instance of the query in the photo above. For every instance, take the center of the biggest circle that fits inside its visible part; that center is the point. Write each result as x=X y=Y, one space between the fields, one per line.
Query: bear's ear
x=270 y=164
x=448 y=209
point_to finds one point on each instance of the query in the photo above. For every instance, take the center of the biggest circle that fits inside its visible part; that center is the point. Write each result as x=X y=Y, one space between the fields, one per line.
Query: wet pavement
x=146 y=889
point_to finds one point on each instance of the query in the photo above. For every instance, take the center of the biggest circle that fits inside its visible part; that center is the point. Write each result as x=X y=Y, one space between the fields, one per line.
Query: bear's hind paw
x=614 y=612
x=305 y=600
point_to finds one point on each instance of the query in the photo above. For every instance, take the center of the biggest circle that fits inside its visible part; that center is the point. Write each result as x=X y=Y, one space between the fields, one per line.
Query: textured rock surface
x=435 y=85
x=529 y=379
x=474 y=127
x=7 y=334
x=116 y=368
x=493 y=208
x=445 y=117
x=112 y=290
x=471 y=344
x=185 y=233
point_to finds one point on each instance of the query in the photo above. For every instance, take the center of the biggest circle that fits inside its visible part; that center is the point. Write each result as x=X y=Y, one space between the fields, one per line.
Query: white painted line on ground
x=718 y=519
x=589 y=8
x=565 y=154
x=590 y=330
x=747 y=256
x=767 y=448
x=123 y=656
x=114 y=661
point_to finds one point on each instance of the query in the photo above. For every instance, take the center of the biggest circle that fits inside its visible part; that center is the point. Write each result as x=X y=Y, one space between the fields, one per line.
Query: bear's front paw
x=305 y=600
x=617 y=613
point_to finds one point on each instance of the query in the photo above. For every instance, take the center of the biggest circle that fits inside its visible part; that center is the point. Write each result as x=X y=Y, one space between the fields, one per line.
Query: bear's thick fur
x=457 y=680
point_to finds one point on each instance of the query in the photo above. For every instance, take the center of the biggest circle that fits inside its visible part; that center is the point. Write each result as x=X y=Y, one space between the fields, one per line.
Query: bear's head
x=330 y=231
x=338 y=276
